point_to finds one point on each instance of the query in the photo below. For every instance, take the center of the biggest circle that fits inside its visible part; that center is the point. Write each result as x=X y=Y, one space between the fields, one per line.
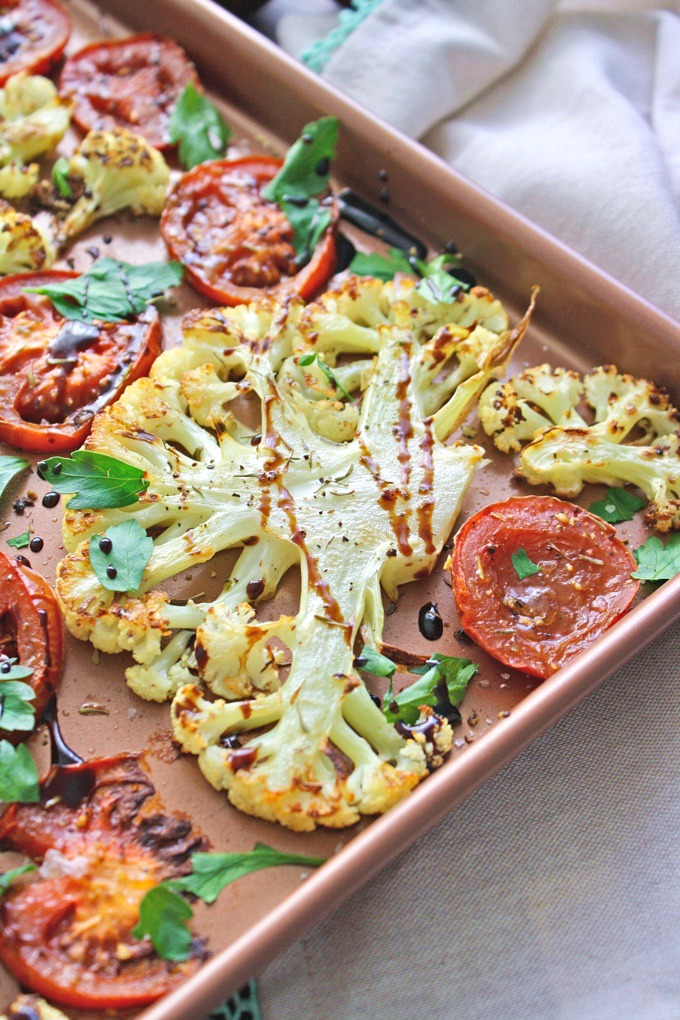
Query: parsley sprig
x=442 y=684
x=656 y=561
x=618 y=505
x=19 y=781
x=111 y=291
x=119 y=556
x=436 y=283
x=98 y=482
x=9 y=467
x=196 y=124
x=524 y=567
x=305 y=173
x=310 y=359
x=164 y=913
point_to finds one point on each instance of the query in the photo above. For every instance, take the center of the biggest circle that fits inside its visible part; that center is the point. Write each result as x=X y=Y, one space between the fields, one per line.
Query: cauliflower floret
x=372 y=510
x=32 y=1006
x=567 y=452
x=24 y=247
x=32 y=120
x=513 y=412
x=116 y=170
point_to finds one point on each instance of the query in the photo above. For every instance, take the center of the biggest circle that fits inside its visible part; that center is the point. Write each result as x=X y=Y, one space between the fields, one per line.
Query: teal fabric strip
x=320 y=52
x=244 y=1005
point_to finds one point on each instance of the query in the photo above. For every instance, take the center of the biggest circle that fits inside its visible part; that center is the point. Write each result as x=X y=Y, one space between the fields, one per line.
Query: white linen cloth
x=554 y=891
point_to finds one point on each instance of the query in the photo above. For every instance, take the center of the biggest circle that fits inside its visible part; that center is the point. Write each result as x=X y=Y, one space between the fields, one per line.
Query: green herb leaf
x=131 y=550
x=98 y=481
x=213 y=872
x=9 y=467
x=309 y=359
x=16 y=712
x=304 y=174
x=18 y=775
x=111 y=291
x=20 y=541
x=14 y=672
x=309 y=223
x=618 y=505
x=382 y=267
x=7 y=878
x=198 y=127
x=523 y=565
x=60 y=172
x=438 y=284
x=163 y=914
x=656 y=561
x=306 y=167
x=374 y=662
x=442 y=677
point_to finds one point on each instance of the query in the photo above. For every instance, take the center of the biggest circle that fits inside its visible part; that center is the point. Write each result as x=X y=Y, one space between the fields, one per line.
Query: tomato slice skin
x=31 y=628
x=47 y=404
x=67 y=932
x=539 y=623
x=235 y=245
x=39 y=33
x=132 y=83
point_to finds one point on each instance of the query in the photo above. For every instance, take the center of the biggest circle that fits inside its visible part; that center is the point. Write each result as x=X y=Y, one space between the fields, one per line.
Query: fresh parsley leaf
x=18 y=775
x=111 y=291
x=98 y=481
x=304 y=174
x=656 y=561
x=443 y=677
x=7 y=878
x=20 y=541
x=163 y=914
x=9 y=670
x=306 y=167
x=382 y=267
x=213 y=872
x=198 y=127
x=60 y=172
x=131 y=550
x=618 y=505
x=310 y=359
x=375 y=663
x=16 y=712
x=523 y=565
x=9 y=467
x=437 y=283
x=309 y=222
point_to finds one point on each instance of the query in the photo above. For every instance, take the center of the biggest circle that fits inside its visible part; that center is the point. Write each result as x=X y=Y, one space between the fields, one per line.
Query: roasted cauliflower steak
x=347 y=475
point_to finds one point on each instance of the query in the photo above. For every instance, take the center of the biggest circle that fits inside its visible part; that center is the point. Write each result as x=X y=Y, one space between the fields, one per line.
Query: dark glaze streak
x=62 y=754
x=403 y=430
x=426 y=489
x=242 y=758
x=42 y=614
x=388 y=499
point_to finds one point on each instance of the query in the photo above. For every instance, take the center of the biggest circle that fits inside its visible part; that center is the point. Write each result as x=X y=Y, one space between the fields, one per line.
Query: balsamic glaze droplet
x=323 y=166
x=50 y=500
x=430 y=622
x=5 y=667
x=345 y=252
x=111 y=571
x=106 y=545
x=231 y=741
x=36 y=544
x=56 y=470
x=22 y=559
x=376 y=700
x=41 y=467
x=24 y=1012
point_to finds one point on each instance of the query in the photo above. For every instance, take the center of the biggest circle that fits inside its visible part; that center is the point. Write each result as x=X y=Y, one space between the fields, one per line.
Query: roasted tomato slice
x=67 y=933
x=539 y=622
x=31 y=628
x=33 y=34
x=235 y=245
x=55 y=374
x=132 y=83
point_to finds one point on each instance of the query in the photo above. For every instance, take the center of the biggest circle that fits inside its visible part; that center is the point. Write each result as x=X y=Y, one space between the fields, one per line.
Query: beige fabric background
x=553 y=893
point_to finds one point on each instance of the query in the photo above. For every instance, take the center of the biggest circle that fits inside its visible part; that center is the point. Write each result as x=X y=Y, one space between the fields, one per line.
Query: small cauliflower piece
x=115 y=170
x=358 y=496
x=26 y=1006
x=632 y=440
x=24 y=247
x=33 y=119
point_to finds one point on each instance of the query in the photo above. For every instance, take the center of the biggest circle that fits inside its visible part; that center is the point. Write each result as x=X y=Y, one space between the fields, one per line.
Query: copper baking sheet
x=583 y=319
